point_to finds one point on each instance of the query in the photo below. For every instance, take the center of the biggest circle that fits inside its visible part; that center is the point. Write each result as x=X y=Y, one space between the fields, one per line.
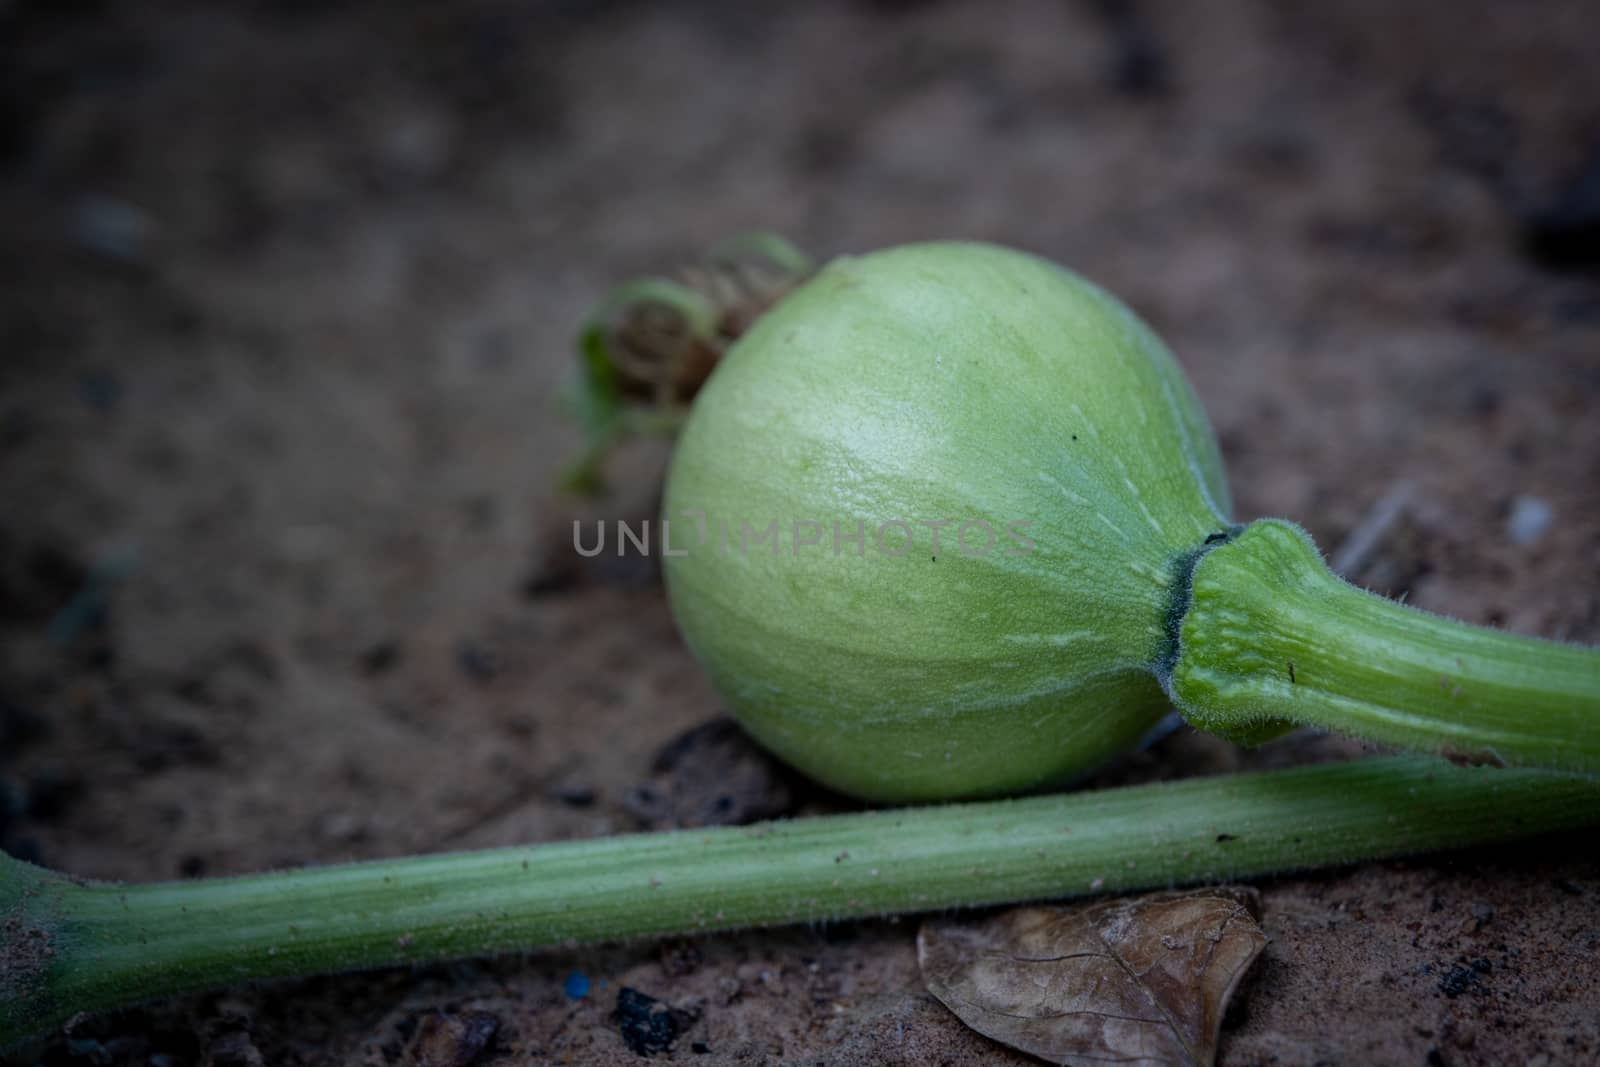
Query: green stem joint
x=1272 y=639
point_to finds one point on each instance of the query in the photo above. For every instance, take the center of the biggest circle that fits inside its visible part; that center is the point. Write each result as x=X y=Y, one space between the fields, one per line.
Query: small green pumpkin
x=1027 y=410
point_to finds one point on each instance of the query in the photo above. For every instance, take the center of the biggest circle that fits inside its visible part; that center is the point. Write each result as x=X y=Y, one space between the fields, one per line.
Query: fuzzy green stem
x=1272 y=637
x=71 y=947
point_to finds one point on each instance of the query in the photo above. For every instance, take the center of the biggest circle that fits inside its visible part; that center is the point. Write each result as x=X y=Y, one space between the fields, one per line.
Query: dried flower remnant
x=651 y=343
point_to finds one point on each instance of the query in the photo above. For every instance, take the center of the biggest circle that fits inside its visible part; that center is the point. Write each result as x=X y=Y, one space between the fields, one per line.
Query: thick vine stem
x=70 y=947
x=1272 y=636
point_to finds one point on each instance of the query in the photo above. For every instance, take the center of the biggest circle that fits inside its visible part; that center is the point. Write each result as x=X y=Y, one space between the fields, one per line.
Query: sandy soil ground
x=289 y=293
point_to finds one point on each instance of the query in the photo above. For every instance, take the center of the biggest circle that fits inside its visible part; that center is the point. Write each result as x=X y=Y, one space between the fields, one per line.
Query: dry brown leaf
x=1138 y=982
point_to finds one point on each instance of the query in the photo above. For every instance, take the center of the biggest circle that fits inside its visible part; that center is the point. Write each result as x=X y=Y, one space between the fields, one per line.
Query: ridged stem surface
x=70 y=947
x=1271 y=636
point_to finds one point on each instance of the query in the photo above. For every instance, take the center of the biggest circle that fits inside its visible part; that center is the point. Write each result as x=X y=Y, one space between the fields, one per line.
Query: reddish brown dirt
x=289 y=294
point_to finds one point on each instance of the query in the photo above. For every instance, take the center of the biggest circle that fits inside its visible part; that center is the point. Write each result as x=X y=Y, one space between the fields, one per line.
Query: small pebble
x=576 y=795
x=576 y=986
x=1565 y=232
x=648 y=1026
x=380 y=657
x=111 y=228
x=477 y=662
x=452 y=1039
x=1530 y=518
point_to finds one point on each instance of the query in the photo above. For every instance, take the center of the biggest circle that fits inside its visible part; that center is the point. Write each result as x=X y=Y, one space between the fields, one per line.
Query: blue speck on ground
x=577 y=985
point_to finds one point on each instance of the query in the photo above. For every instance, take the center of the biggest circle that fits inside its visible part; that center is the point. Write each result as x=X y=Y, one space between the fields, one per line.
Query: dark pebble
x=101 y=391
x=477 y=663
x=51 y=793
x=576 y=796
x=1458 y=980
x=1139 y=64
x=18 y=726
x=381 y=657
x=648 y=1026
x=1565 y=232
x=549 y=579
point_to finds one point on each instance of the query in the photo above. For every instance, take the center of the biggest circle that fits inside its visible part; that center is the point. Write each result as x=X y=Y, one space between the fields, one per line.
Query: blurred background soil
x=288 y=293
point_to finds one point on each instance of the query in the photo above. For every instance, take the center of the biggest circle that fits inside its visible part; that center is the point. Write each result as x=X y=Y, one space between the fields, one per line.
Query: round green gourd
x=935 y=382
